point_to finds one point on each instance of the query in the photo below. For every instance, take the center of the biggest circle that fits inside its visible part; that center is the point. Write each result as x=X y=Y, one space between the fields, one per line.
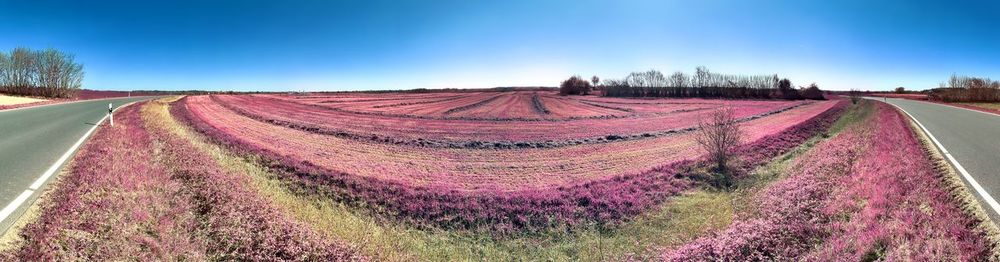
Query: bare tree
x=49 y=73
x=22 y=62
x=855 y=95
x=678 y=79
x=719 y=136
x=5 y=72
x=701 y=76
x=969 y=89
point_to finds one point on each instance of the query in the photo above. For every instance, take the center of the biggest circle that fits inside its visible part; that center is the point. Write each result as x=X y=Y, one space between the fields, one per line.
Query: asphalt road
x=971 y=137
x=33 y=139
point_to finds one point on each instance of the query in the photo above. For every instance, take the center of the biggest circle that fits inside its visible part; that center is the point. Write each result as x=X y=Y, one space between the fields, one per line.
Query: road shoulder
x=959 y=188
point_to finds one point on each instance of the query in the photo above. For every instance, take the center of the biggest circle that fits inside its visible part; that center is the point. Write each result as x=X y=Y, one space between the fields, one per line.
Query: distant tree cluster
x=968 y=89
x=45 y=73
x=704 y=84
x=575 y=85
x=812 y=92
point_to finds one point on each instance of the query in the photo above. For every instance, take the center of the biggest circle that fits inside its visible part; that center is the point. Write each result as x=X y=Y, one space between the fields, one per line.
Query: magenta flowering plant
x=869 y=193
x=136 y=191
x=494 y=202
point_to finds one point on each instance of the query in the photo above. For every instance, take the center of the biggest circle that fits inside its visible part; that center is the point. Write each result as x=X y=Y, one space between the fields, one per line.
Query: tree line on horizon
x=968 y=89
x=41 y=73
x=702 y=84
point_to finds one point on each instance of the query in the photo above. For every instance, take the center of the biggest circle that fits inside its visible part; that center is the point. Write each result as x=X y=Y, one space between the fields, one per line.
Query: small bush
x=855 y=96
x=786 y=91
x=812 y=92
x=574 y=86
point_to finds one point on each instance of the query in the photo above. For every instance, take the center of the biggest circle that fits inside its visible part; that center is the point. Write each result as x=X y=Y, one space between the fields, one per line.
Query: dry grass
x=11 y=240
x=959 y=189
x=993 y=106
x=6 y=100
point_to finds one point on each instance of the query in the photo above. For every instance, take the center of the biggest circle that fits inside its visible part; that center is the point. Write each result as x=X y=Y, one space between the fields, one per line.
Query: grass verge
x=991 y=106
x=6 y=100
x=958 y=188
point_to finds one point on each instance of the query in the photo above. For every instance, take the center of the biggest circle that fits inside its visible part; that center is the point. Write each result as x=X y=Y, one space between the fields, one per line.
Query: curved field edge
x=680 y=116
x=680 y=219
x=136 y=193
x=600 y=203
x=873 y=192
x=476 y=144
x=391 y=241
x=631 y=113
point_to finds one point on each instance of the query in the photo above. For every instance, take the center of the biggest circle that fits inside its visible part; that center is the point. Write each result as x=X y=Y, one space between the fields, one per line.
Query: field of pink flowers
x=137 y=192
x=502 y=190
x=143 y=191
x=448 y=132
x=870 y=193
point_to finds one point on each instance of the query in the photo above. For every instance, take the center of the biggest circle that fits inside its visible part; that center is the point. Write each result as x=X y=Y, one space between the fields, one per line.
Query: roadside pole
x=110 y=115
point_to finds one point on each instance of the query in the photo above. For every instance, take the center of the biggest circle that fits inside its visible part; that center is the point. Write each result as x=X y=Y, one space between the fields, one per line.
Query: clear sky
x=356 y=45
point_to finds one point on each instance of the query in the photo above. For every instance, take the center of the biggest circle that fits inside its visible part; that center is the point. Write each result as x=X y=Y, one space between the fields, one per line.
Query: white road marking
x=60 y=103
x=973 y=110
x=55 y=166
x=965 y=174
x=9 y=209
x=13 y=205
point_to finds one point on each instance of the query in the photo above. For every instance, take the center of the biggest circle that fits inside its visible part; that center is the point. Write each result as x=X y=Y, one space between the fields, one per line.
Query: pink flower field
x=504 y=132
x=413 y=131
x=501 y=189
x=152 y=188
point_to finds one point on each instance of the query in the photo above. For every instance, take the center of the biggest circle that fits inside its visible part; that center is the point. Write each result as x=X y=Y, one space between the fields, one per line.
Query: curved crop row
x=603 y=201
x=471 y=106
x=561 y=107
x=518 y=107
x=419 y=102
x=431 y=128
x=514 y=105
x=474 y=169
x=608 y=107
x=362 y=99
x=536 y=103
x=474 y=144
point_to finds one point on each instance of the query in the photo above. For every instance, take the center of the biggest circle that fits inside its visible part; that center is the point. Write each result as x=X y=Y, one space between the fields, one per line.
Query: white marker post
x=110 y=115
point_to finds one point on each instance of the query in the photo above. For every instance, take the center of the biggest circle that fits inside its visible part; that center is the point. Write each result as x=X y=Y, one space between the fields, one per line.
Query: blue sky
x=357 y=45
